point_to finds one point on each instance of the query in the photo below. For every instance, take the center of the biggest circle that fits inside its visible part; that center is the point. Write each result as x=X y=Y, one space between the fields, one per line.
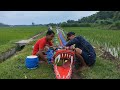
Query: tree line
x=110 y=19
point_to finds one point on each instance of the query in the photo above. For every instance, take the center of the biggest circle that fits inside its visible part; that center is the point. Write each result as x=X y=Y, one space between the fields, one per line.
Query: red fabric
x=63 y=71
x=40 y=44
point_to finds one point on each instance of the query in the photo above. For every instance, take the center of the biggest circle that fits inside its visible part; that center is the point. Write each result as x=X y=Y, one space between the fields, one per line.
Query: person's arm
x=40 y=54
x=51 y=43
x=52 y=46
x=71 y=42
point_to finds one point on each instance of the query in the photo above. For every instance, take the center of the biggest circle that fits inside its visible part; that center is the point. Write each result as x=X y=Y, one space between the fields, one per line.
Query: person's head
x=50 y=35
x=70 y=35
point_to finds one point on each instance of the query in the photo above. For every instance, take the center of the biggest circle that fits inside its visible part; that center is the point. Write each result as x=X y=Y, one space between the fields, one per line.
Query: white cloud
x=40 y=17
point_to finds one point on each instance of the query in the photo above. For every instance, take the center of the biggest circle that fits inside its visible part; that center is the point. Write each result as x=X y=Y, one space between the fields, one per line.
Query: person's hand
x=51 y=46
x=78 y=50
x=54 y=48
x=45 y=59
x=66 y=48
x=63 y=47
x=46 y=48
x=72 y=47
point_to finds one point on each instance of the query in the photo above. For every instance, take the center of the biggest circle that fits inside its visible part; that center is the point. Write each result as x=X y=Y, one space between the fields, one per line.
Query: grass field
x=109 y=39
x=103 y=69
x=9 y=35
x=14 y=67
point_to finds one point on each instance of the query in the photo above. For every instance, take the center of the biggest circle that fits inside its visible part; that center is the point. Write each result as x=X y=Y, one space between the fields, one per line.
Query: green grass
x=9 y=35
x=14 y=67
x=97 y=35
x=103 y=69
x=108 y=39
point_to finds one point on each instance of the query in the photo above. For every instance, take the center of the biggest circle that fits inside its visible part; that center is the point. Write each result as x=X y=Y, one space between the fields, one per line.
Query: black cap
x=69 y=34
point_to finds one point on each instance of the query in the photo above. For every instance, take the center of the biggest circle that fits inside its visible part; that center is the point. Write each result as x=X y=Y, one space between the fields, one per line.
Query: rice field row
x=9 y=35
x=109 y=39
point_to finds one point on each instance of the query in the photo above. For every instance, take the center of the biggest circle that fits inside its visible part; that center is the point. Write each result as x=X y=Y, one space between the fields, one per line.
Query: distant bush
x=105 y=22
x=75 y=25
x=85 y=25
x=115 y=25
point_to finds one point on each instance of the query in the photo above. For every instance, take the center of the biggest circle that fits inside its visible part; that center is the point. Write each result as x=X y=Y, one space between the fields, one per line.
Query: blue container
x=32 y=62
x=50 y=54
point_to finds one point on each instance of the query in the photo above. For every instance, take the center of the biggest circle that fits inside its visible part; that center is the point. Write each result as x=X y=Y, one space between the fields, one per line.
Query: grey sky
x=40 y=17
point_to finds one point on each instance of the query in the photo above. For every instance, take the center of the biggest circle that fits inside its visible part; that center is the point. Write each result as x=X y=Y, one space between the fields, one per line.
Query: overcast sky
x=40 y=17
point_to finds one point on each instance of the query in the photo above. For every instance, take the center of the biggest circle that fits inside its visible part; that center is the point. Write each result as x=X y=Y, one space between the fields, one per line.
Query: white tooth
x=65 y=55
x=71 y=60
x=69 y=56
x=63 y=77
x=57 y=58
x=66 y=61
x=62 y=55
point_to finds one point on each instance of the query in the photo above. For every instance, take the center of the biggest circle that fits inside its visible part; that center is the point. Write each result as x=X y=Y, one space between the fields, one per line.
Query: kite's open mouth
x=63 y=61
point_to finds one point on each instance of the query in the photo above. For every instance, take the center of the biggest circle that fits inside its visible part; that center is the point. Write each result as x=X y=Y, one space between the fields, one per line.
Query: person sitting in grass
x=84 y=52
x=43 y=44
